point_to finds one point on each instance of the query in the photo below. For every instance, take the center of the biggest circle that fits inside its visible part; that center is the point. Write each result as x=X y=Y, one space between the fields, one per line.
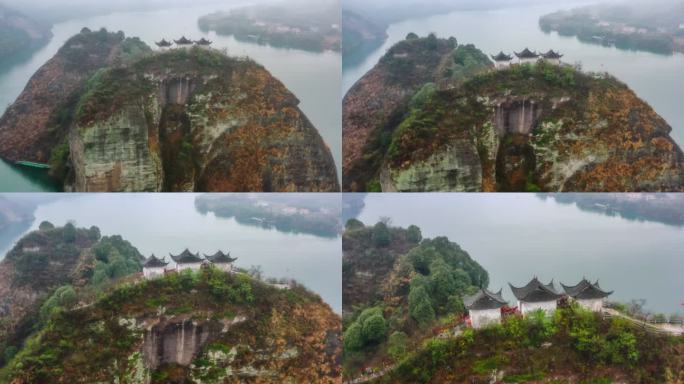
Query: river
x=518 y=236
x=163 y=223
x=655 y=78
x=314 y=78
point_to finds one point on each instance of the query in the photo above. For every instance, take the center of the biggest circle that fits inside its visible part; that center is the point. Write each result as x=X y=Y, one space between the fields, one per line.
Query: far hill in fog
x=666 y=208
x=20 y=34
x=641 y=26
x=314 y=214
x=310 y=26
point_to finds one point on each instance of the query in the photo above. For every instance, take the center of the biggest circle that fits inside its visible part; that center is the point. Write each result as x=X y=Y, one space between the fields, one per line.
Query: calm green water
x=163 y=223
x=655 y=78
x=315 y=78
x=22 y=179
x=518 y=236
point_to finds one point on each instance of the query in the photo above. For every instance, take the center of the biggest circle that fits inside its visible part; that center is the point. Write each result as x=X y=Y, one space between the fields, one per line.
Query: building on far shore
x=164 y=45
x=221 y=261
x=484 y=308
x=187 y=260
x=552 y=57
x=527 y=56
x=502 y=60
x=535 y=296
x=587 y=295
x=154 y=267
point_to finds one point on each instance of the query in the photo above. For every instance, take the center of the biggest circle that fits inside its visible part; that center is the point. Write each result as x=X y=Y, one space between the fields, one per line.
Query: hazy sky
x=59 y=10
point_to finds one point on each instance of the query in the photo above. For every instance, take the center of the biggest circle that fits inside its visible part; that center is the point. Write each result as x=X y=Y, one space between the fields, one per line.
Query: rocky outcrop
x=196 y=121
x=35 y=123
x=529 y=128
x=185 y=120
x=377 y=102
x=179 y=340
x=595 y=135
x=208 y=328
x=516 y=116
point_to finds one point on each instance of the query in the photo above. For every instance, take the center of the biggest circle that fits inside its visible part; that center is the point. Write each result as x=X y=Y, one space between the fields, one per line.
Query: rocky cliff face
x=35 y=124
x=195 y=120
x=378 y=101
x=178 y=341
x=528 y=128
x=185 y=120
x=210 y=328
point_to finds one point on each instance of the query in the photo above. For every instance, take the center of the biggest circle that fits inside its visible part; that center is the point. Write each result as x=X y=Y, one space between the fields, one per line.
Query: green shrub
x=413 y=234
x=397 y=345
x=381 y=235
x=353 y=224
x=420 y=306
x=353 y=338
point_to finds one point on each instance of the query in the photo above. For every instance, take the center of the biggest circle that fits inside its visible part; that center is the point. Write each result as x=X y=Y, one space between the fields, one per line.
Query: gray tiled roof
x=484 y=299
x=535 y=291
x=586 y=290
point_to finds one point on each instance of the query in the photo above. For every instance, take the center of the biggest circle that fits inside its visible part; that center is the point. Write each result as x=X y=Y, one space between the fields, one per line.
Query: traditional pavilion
x=203 y=43
x=527 y=56
x=484 y=308
x=163 y=44
x=187 y=260
x=154 y=267
x=587 y=295
x=183 y=42
x=552 y=57
x=535 y=296
x=222 y=261
x=502 y=60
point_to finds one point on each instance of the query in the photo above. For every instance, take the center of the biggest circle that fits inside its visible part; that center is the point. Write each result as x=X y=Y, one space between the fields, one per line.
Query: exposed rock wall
x=176 y=342
x=261 y=335
x=232 y=128
x=115 y=155
x=372 y=102
x=516 y=116
x=507 y=131
x=32 y=125
x=183 y=120
x=456 y=169
x=177 y=90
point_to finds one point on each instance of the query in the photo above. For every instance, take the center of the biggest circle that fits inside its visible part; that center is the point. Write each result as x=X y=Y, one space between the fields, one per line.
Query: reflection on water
x=655 y=78
x=169 y=223
x=313 y=77
x=518 y=236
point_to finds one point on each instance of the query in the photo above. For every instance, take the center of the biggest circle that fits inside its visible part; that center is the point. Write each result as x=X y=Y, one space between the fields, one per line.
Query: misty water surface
x=518 y=236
